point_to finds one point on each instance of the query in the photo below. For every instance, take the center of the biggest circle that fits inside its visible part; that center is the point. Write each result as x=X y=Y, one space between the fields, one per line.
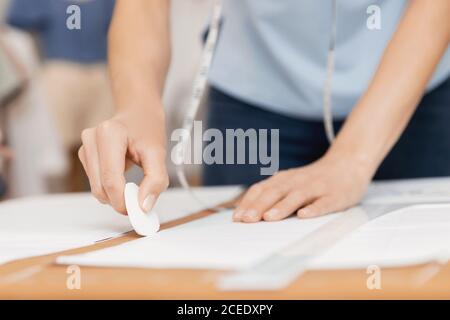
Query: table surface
x=41 y=278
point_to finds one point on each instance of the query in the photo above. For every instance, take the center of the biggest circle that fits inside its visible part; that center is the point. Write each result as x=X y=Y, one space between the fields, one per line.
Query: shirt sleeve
x=28 y=15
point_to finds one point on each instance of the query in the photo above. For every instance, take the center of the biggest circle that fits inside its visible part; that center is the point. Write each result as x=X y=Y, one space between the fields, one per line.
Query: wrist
x=148 y=110
x=354 y=161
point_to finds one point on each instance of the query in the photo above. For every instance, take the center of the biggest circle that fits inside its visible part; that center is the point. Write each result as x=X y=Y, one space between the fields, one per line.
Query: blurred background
x=54 y=83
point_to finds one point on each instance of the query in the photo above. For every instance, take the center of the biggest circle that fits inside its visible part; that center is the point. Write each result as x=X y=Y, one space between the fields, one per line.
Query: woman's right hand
x=132 y=136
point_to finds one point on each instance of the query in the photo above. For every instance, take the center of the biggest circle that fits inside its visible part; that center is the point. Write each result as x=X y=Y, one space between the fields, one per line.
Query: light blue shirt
x=273 y=53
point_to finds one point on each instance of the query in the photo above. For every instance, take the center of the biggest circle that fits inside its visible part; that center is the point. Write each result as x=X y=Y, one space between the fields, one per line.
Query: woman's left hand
x=328 y=185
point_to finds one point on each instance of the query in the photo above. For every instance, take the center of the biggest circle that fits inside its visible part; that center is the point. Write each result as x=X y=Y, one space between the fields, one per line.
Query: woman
x=269 y=72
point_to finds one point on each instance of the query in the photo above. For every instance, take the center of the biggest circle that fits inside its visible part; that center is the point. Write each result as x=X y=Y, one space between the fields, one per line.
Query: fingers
x=287 y=206
x=102 y=155
x=88 y=155
x=104 y=158
x=275 y=199
x=272 y=205
x=320 y=207
x=112 y=143
x=250 y=196
x=312 y=191
x=155 y=176
x=255 y=211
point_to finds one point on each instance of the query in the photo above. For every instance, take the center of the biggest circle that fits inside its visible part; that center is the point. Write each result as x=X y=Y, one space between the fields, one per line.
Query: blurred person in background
x=12 y=83
x=72 y=38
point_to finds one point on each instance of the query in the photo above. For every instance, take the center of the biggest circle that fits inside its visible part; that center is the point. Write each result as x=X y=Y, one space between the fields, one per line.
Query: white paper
x=144 y=224
x=409 y=191
x=176 y=203
x=45 y=225
x=214 y=242
x=37 y=226
x=408 y=236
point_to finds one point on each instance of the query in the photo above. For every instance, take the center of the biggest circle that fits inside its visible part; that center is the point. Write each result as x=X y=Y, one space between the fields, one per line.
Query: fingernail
x=238 y=215
x=272 y=214
x=148 y=203
x=251 y=214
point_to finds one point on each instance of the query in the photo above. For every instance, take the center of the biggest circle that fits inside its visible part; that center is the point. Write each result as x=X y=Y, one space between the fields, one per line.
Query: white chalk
x=144 y=224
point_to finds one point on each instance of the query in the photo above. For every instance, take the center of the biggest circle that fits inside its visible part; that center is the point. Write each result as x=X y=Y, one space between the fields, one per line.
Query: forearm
x=139 y=53
x=408 y=63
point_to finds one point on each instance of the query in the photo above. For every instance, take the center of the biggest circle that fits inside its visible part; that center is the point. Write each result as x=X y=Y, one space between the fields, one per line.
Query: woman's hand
x=340 y=178
x=137 y=70
x=132 y=136
x=328 y=185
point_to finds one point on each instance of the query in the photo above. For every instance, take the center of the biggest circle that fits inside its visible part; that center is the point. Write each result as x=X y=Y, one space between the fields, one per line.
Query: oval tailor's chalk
x=144 y=224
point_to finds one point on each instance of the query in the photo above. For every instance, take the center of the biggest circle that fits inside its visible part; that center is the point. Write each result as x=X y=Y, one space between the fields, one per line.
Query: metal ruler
x=282 y=268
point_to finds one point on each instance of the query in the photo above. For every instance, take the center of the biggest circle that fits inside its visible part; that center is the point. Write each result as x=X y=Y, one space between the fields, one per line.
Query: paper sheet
x=411 y=191
x=176 y=203
x=44 y=225
x=411 y=235
x=214 y=242
x=38 y=226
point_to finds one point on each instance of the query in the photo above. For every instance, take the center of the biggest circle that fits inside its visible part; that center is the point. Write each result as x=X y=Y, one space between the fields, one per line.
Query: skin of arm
x=139 y=58
x=398 y=85
x=340 y=178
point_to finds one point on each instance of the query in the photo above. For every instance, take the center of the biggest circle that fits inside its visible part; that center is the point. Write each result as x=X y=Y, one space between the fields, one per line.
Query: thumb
x=155 y=179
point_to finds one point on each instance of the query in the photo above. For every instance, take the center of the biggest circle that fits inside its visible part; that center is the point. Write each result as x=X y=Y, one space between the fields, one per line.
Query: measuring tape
x=327 y=108
x=198 y=91
x=201 y=81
